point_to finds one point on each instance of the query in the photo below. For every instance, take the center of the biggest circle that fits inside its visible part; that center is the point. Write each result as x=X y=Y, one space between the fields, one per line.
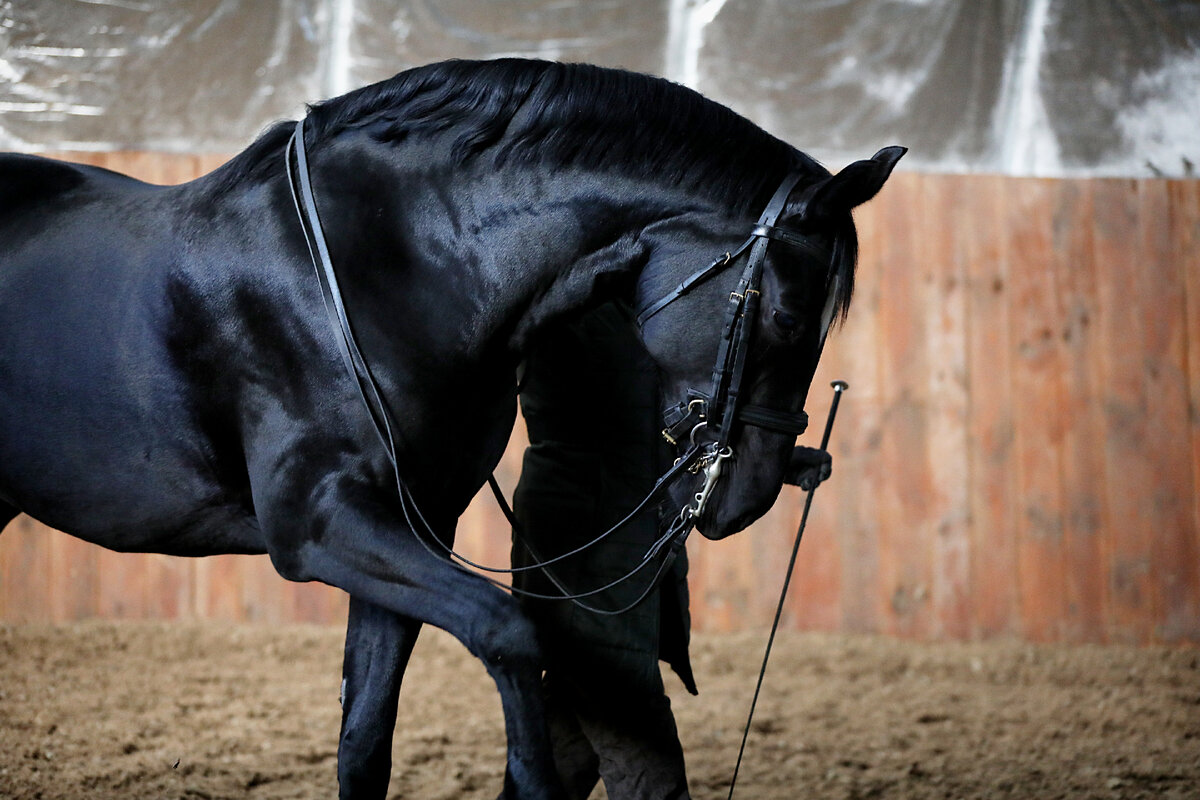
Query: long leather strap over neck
x=300 y=181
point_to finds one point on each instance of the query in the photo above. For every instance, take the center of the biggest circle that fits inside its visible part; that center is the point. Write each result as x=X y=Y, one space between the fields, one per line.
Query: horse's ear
x=853 y=186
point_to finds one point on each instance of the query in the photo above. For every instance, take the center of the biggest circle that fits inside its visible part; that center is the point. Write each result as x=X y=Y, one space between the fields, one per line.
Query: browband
x=794 y=239
x=760 y=231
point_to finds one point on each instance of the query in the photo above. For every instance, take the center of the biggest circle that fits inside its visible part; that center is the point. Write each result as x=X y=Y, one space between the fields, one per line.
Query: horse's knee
x=505 y=638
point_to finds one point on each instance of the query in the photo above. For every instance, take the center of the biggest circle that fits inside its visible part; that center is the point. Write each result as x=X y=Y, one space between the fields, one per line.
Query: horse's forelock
x=845 y=265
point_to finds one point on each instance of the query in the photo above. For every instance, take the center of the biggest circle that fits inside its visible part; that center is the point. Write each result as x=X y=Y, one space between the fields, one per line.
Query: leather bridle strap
x=793 y=239
x=314 y=236
x=778 y=421
x=743 y=314
x=692 y=281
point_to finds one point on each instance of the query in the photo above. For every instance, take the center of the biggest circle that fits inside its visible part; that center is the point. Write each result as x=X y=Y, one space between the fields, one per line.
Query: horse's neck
x=503 y=251
x=601 y=240
x=523 y=252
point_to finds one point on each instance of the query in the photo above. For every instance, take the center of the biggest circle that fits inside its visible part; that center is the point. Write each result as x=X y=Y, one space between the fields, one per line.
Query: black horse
x=170 y=381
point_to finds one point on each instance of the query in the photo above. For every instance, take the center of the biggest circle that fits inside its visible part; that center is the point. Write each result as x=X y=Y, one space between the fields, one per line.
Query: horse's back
x=31 y=184
x=55 y=213
x=71 y=234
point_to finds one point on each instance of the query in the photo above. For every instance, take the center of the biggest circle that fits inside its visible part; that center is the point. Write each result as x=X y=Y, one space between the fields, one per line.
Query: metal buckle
x=679 y=417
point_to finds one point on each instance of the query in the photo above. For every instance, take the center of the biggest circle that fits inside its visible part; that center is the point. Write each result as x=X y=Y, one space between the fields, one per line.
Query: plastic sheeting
x=1025 y=87
x=202 y=75
x=625 y=33
x=1043 y=87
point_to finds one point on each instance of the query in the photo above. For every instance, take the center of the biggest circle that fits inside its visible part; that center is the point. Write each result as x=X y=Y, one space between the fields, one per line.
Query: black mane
x=577 y=115
x=590 y=117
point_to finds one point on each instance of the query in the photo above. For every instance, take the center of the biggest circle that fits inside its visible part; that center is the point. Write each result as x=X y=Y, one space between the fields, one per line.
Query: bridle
x=704 y=419
x=716 y=411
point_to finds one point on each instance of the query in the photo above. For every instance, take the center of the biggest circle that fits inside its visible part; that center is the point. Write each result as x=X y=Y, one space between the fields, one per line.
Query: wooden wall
x=1017 y=456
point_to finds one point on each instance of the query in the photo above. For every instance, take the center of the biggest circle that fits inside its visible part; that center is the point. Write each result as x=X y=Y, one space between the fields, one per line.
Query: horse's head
x=739 y=344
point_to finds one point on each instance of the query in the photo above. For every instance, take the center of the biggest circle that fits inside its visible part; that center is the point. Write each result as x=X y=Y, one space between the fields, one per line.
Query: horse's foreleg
x=386 y=566
x=378 y=645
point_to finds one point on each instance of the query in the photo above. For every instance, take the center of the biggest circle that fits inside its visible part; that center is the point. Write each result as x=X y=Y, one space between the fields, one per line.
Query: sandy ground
x=155 y=710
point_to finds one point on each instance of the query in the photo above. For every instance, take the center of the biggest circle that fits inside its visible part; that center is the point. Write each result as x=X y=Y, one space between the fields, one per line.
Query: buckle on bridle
x=682 y=419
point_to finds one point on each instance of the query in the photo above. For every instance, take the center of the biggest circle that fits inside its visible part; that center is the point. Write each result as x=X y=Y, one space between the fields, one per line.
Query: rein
x=713 y=413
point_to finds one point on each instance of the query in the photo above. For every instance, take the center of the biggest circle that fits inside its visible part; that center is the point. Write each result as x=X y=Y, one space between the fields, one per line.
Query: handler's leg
x=635 y=737
x=378 y=645
x=574 y=757
x=7 y=514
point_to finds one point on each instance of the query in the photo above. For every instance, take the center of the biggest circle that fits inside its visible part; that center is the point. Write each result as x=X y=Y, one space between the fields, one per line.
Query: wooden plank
x=177 y=169
x=121 y=591
x=8 y=594
x=814 y=599
x=168 y=580
x=1039 y=422
x=1182 y=620
x=945 y=254
x=207 y=162
x=956 y=432
x=1182 y=612
x=853 y=355
x=992 y=494
x=698 y=587
x=725 y=586
x=318 y=604
x=1127 y=467
x=219 y=582
x=74 y=589
x=1168 y=508
x=484 y=534
x=26 y=572
x=260 y=594
x=1085 y=521
x=905 y=563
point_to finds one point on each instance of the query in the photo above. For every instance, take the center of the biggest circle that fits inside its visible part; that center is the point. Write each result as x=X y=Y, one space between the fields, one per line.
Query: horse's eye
x=786 y=321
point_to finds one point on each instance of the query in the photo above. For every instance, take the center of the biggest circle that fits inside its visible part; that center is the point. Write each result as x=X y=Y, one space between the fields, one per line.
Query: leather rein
x=703 y=420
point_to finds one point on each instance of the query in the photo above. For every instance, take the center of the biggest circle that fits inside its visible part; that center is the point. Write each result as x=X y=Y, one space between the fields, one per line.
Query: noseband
x=714 y=413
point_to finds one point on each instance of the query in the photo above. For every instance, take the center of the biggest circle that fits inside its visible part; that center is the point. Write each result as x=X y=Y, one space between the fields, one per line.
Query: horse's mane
x=517 y=110
x=573 y=115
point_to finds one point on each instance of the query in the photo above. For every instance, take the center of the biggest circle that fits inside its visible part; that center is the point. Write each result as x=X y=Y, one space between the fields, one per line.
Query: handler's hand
x=808 y=467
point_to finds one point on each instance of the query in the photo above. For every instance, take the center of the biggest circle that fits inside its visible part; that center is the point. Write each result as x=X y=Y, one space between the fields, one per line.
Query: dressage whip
x=838 y=388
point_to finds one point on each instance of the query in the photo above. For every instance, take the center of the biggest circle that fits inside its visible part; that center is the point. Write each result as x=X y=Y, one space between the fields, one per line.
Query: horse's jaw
x=739 y=499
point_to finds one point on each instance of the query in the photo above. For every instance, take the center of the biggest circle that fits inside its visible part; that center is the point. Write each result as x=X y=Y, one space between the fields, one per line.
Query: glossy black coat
x=169 y=381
